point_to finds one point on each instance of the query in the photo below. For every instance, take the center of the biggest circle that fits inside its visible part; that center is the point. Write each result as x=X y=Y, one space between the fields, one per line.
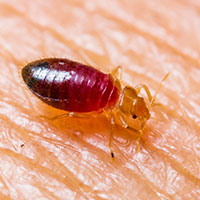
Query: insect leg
x=146 y=89
x=112 y=123
x=69 y=114
x=151 y=99
x=126 y=126
x=159 y=88
x=117 y=73
x=56 y=117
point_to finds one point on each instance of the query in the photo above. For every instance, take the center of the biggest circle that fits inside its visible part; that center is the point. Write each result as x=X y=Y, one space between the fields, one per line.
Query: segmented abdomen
x=69 y=85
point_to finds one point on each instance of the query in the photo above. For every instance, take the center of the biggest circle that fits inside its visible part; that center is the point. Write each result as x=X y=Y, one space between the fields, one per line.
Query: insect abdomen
x=69 y=85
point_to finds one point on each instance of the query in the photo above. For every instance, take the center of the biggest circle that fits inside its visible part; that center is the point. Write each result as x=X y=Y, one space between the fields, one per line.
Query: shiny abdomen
x=70 y=86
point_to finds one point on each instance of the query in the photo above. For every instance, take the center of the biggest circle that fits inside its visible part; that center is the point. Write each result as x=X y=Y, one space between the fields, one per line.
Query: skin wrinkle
x=50 y=174
x=5 y=193
x=175 y=165
x=150 y=185
x=144 y=20
x=27 y=136
x=31 y=163
x=157 y=41
x=51 y=30
x=9 y=192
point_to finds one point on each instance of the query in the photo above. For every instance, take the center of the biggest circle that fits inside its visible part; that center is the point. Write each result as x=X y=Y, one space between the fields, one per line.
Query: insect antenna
x=159 y=88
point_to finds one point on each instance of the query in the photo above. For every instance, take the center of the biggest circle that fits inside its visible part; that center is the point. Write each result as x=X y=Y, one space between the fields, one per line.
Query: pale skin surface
x=69 y=158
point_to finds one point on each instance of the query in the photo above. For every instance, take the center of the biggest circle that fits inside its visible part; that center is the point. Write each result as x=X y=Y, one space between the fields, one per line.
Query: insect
x=82 y=90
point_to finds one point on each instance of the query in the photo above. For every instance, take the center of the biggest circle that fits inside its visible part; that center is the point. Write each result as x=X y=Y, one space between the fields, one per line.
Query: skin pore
x=69 y=157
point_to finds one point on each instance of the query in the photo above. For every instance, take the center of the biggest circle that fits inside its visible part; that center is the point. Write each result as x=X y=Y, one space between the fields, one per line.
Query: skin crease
x=69 y=158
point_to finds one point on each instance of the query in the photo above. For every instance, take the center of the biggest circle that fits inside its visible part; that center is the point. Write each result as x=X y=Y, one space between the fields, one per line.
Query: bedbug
x=82 y=90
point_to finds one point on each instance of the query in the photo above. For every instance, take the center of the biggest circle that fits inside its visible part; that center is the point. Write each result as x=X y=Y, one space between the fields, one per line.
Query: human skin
x=69 y=158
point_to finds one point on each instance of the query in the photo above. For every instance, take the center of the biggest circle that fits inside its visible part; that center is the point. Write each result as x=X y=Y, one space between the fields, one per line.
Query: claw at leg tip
x=112 y=154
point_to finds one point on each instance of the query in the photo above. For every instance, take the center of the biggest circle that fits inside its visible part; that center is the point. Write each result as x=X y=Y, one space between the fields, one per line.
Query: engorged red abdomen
x=70 y=86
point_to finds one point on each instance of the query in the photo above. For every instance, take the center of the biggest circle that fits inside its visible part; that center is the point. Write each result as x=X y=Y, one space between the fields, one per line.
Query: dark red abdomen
x=69 y=85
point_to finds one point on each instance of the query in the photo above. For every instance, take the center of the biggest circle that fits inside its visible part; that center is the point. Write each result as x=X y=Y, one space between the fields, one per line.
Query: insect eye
x=134 y=116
